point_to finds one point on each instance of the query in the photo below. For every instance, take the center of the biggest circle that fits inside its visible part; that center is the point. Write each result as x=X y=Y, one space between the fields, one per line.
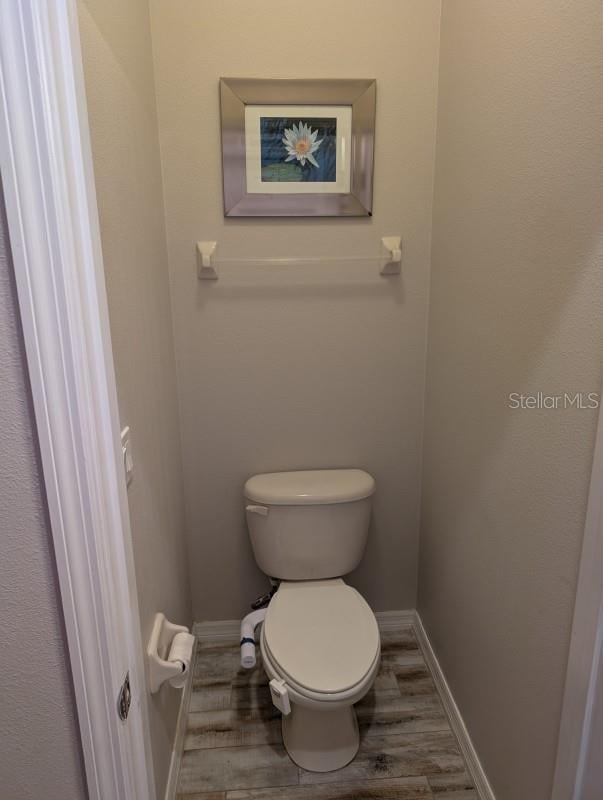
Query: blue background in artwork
x=274 y=152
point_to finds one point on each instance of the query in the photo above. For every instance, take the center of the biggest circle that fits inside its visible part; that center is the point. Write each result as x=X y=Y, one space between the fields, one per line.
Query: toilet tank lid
x=310 y=487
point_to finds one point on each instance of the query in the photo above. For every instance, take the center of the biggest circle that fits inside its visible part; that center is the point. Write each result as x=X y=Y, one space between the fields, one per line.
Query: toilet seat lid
x=322 y=634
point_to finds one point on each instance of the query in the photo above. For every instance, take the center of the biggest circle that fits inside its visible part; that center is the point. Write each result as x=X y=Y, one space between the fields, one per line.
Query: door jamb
x=46 y=167
x=587 y=629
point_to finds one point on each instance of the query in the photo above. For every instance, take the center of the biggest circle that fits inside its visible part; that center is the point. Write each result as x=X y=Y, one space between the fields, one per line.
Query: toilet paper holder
x=169 y=653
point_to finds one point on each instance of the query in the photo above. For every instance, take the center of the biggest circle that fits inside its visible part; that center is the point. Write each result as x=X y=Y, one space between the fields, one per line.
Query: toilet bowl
x=320 y=640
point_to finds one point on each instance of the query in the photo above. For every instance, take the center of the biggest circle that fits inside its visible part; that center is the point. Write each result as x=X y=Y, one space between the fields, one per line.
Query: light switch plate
x=126 y=449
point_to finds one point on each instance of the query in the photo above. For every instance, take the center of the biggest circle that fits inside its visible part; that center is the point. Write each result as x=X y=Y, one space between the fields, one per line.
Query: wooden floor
x=233 y=748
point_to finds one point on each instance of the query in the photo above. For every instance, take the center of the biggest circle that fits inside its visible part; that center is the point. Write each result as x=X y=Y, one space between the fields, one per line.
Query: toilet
x=320 y=640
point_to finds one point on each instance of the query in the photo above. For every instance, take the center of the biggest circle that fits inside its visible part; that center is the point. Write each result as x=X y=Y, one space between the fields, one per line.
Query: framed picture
x=297 y=148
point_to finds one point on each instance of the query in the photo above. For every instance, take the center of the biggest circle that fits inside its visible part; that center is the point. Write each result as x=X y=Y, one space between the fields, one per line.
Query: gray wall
x=516 y=306
x=40 y=754
x=118 y=68
x=302 y=367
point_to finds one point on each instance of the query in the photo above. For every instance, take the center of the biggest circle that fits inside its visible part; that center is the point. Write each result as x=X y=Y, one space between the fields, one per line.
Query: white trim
x=53 y=228
x=474 y=767
x=581 y=677
x=178 y=746
x=222 y=630
x=394 y=620
x=229 y=630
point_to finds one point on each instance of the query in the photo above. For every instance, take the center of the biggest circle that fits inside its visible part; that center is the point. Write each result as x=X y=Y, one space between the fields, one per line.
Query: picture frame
x=297 y=147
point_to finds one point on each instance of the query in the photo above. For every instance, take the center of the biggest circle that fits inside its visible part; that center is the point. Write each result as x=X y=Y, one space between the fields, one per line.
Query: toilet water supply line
x=248 y=626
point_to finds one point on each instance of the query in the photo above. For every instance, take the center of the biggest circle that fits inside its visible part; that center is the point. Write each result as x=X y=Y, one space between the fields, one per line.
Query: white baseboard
x=178 y=746
x=394 y=620
x=229 y=631
x=222 y=630
x=474 y=767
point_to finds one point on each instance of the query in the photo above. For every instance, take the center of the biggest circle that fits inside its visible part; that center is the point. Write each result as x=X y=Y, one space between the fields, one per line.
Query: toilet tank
x=309 y=525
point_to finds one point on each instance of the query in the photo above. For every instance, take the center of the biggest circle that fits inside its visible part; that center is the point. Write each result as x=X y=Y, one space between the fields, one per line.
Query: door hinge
x=124 y=699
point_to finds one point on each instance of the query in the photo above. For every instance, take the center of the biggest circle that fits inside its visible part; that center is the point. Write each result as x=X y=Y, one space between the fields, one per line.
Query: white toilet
x=320 y=641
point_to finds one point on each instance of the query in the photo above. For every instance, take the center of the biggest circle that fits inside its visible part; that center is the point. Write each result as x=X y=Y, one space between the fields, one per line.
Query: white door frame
x=46 y=167
x=583 y=686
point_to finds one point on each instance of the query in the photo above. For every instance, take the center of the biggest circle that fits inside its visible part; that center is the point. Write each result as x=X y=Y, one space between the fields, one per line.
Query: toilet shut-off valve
x=280 y=696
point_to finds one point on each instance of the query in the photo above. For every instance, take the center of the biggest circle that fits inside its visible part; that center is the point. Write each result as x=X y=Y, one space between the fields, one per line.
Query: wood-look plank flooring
x=233 y=747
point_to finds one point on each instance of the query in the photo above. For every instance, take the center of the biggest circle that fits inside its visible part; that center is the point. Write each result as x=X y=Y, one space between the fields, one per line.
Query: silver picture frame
x=236 y=93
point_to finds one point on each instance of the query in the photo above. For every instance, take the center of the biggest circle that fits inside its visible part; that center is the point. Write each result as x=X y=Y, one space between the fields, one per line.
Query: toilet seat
x=322 y=638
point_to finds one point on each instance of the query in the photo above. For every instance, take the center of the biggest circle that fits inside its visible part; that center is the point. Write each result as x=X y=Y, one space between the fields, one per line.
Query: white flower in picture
x=301 y=143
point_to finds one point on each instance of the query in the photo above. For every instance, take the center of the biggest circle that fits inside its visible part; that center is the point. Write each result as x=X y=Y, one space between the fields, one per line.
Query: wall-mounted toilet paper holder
x=170 y=651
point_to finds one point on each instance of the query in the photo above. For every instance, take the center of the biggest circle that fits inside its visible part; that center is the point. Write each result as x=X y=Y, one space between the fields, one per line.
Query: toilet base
x=321 y=741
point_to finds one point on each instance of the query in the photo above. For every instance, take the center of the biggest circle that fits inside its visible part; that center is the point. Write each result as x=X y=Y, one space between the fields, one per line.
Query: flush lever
x=257 y=510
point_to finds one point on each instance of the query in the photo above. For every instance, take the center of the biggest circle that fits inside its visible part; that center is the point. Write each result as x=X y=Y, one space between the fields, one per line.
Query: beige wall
x=302 y=367
x=121 y=102
x=516 y=306
x=40 y=753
